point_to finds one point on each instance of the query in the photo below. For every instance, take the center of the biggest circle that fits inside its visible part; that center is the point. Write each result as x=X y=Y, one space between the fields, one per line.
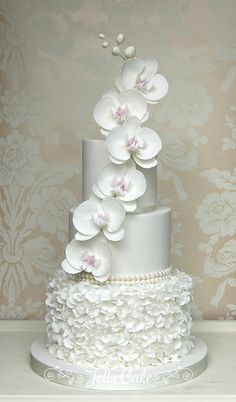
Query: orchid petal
x=74 y=251
x=159 y=89
x=116 y=212
x=150 y=68
x=82 y=218
x=153 y=143
x=97 y=191
x=68 y=268
x=132 y=125
x=145 y=117
x=102 y=113
x=135 y=102
x=138 y=187
x=129 y=206
x=130 y=71
x=114 y=160
x=114 y=236
x=129 y=170
x=81 y=237
x=146 y=164
x=103 y=252
x=102 y=278
x=116 y=144
x=104 y=132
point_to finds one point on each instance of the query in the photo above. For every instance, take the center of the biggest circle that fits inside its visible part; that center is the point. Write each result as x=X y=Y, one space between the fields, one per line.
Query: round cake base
x=149 y=377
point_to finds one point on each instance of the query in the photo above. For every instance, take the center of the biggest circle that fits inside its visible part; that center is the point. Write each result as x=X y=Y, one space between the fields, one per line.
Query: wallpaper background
x=53 y=70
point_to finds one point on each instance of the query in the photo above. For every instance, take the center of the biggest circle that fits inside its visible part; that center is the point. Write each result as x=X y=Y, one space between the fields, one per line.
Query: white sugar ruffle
x=118 y=325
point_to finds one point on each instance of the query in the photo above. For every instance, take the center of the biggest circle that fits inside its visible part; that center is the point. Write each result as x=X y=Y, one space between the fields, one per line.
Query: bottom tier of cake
x=113 y=325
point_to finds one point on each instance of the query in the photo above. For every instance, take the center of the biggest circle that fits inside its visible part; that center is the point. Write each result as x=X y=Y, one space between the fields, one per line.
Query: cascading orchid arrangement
x=119 y=114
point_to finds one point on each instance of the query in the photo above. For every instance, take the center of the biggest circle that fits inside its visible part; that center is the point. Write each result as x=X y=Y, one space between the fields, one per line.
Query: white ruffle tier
x=119 y=325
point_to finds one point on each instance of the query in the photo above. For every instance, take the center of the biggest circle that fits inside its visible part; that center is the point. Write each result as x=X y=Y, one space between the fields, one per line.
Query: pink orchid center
x=119 y=186
x=134 y=144
x=101 y=218
x=121 y=114
x=142 y=84
x=90 y=262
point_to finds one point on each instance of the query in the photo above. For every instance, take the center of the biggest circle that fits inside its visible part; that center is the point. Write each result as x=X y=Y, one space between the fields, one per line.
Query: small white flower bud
x=130 y=52
x=101 y=35
x=105 y=44
x=115 y=51
x=120 y=38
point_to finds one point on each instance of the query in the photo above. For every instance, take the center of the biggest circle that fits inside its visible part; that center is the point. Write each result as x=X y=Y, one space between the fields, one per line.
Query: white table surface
x=19 y=383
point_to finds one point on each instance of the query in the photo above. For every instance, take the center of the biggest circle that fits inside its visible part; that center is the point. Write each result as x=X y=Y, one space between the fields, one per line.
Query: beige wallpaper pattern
x=53 y=70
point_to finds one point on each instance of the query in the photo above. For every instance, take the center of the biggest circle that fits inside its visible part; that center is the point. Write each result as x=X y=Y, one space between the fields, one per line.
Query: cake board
x=149 y=377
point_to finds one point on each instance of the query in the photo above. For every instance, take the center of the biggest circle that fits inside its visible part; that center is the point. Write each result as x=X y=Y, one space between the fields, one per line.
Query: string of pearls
x=130 y=280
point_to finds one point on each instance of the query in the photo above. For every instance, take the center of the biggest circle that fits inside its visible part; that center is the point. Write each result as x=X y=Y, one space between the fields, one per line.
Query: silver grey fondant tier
x=94 y=159
x=119 y=326
x=145 y=247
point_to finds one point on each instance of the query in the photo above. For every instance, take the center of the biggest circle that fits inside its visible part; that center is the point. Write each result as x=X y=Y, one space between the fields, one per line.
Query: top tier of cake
x=94 y=159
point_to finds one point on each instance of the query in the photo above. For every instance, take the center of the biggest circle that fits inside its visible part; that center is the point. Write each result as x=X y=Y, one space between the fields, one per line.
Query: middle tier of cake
x=145 y=248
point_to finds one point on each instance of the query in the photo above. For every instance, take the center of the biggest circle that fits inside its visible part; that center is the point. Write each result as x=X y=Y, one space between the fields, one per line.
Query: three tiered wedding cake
x=116 y=302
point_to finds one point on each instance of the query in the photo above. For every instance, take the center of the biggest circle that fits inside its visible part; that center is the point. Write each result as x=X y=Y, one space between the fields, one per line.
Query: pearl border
x=130 y=280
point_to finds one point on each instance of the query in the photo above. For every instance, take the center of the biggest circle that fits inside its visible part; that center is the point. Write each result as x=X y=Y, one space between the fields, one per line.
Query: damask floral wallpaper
x=53 y=70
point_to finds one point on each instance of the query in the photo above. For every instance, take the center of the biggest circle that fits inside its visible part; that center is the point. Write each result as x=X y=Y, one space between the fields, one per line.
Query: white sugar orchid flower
x=93 y=256
x=114 y=108
x=94 y=215
x=142 y=76
x=124 y=182
x=133 y=140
